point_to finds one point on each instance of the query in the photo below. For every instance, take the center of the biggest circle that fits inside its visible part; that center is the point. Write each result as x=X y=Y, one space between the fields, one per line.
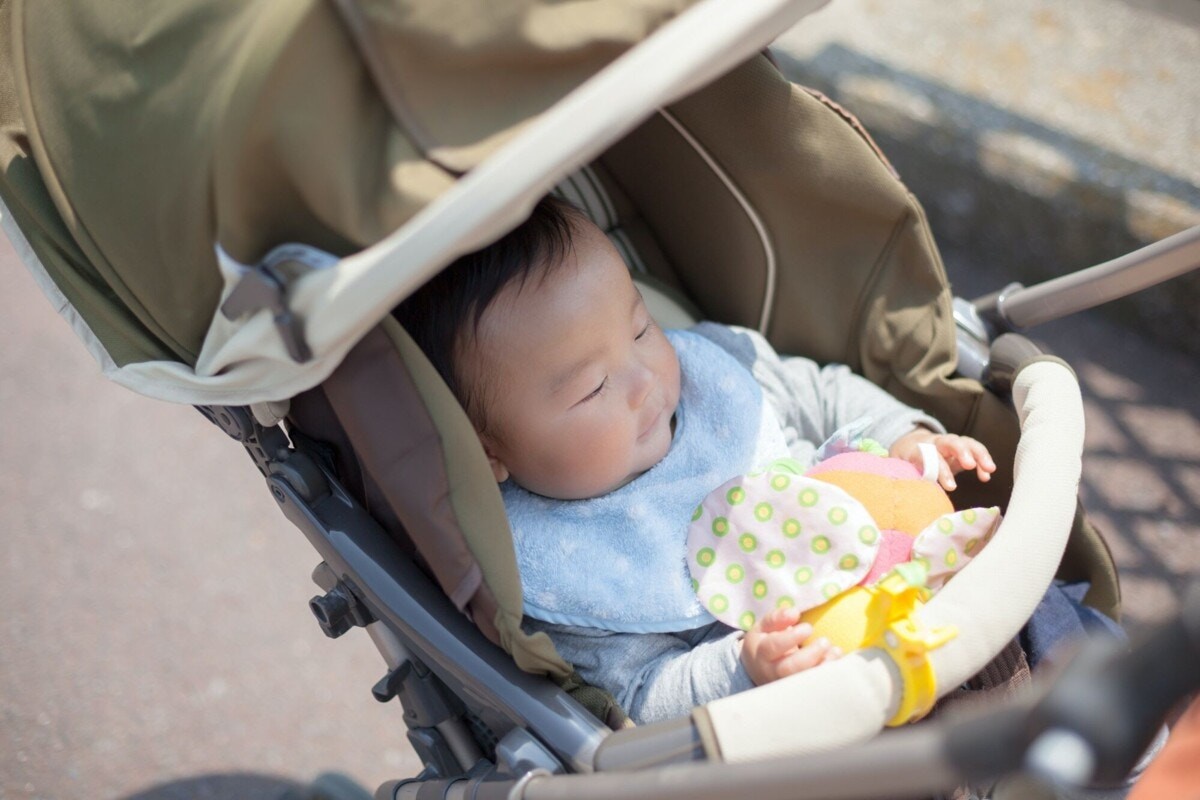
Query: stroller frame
x=469 y=710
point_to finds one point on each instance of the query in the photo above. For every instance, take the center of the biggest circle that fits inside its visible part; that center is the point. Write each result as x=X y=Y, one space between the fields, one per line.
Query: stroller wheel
x=332 y=786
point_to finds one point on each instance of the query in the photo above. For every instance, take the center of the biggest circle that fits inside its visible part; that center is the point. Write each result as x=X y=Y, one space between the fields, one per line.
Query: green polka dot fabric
x=775 y=538
x=952 y=540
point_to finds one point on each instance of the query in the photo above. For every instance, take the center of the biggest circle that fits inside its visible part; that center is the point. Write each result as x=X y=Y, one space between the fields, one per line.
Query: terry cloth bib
x=618 y=561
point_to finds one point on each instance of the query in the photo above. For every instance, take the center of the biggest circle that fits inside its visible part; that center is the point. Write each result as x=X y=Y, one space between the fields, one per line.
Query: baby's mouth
x=649 y=430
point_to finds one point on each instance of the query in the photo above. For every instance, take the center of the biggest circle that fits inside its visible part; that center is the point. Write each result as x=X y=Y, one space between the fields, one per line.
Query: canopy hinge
x=264 y=286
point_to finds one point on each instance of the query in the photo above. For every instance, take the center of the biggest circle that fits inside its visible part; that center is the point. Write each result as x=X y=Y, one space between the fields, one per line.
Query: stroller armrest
x=850 y=699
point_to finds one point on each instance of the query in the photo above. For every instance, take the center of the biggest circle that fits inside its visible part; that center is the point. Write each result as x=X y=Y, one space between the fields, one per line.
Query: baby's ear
x=499 y=470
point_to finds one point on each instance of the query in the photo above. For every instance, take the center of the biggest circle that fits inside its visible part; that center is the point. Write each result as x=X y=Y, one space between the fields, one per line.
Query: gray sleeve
x=814 y=401
x=654 y=676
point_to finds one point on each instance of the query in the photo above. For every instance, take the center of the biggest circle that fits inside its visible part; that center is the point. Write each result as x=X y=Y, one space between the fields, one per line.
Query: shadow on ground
x=242 y=786
x=1141 y=461
x=252 y=786
x=1028 y=202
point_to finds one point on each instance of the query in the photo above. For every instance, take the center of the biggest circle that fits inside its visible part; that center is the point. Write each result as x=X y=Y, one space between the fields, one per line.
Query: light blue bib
x=618 y=562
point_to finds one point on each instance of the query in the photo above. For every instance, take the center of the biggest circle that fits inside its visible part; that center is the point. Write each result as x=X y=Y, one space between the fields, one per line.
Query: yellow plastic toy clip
x=884 y=616
x=908 y=642
x=859 y=617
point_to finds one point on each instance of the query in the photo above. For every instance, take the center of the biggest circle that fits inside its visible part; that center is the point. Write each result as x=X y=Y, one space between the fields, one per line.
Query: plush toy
x=855 y=542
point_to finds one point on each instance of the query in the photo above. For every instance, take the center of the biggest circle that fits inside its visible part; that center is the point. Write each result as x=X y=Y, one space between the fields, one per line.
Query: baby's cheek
x=597 y=457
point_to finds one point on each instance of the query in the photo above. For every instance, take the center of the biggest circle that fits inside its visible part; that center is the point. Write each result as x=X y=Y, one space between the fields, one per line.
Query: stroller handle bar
x=1017 y=308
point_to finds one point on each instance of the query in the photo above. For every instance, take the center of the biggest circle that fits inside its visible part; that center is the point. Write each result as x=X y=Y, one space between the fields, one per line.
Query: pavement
x=157 y=641
x=1042 y=137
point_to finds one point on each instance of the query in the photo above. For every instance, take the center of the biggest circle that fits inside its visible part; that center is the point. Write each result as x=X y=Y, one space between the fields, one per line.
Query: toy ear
x=777 y=538
x=952 y=540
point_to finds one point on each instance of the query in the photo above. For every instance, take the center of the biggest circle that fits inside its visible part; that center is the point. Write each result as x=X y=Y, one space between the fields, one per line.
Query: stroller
x=314 y=182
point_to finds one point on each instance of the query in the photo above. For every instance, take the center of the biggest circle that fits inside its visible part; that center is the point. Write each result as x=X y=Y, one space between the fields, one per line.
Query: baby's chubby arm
x=654 y=676
x=955 y=454
x=780 y=645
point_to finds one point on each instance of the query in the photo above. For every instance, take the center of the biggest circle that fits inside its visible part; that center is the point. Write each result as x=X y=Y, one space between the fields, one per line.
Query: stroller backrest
x=393 y=423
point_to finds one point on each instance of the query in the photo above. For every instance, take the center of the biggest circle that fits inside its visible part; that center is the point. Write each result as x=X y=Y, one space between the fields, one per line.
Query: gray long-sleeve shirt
x=657 y=676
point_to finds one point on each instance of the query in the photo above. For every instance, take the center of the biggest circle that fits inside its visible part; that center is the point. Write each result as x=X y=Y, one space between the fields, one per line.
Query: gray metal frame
x=1017 y=308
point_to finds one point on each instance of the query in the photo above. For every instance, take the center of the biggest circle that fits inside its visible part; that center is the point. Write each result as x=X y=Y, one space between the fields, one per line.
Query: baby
x=605 y=432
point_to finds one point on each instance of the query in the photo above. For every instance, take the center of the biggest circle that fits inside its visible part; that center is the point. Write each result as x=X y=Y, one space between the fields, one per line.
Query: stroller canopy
x=154 y=153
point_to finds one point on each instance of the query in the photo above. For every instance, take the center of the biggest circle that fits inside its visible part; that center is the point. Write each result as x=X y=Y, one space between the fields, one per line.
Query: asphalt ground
x=157 y=641
x=156 y=637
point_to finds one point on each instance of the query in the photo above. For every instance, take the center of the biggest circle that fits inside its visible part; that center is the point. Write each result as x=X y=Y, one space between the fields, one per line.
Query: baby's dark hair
x=452 y=303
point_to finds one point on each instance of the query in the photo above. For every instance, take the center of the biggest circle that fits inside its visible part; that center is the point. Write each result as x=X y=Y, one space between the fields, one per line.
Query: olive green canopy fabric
x=37 y=223
x=156 y=152
x=139 y=135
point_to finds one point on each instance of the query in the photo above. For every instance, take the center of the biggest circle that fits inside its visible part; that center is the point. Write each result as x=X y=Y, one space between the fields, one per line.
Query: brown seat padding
x=406 y=450
x=370 y=412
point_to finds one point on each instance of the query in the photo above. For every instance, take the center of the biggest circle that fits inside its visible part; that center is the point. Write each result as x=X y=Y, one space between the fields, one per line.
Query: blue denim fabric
x=1061 y=618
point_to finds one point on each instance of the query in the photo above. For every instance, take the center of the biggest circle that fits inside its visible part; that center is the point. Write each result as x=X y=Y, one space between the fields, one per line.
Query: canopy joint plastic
x=265 y=287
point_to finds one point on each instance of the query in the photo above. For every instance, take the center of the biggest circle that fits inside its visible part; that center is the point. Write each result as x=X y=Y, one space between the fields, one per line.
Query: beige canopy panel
x=231 y=126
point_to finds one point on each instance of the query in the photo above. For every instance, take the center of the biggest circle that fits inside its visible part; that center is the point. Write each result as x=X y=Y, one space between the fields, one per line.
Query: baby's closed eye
x=599 y=390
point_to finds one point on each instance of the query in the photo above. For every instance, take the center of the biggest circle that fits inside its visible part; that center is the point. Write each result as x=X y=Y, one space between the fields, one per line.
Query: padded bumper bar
x=850 y=700
x=1136 y=687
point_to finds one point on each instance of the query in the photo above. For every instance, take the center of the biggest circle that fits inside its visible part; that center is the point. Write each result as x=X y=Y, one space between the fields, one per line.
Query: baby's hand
x=777 y=647
x=955 y=454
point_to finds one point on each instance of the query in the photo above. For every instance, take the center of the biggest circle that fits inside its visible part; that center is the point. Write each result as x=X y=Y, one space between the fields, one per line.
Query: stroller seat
x=349 y=410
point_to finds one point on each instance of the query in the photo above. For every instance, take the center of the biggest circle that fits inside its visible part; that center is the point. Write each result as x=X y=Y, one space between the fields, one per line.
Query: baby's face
x=580 y=384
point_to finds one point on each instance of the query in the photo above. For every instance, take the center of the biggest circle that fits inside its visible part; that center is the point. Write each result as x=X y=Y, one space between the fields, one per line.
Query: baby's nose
x=642 y=381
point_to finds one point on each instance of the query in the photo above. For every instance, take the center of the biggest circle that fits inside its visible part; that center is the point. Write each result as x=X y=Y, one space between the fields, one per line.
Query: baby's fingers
x=956 y=449
x=945 y=477
x=964 y=453
x=776 y=645
x=780 y=619
x=983 y=459
x=807 y=657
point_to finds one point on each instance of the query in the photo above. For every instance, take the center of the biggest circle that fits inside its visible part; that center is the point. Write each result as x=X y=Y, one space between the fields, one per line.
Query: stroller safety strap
x=851 y=699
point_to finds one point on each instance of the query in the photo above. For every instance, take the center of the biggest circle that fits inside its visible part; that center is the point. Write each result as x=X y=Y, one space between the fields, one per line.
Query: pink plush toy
x=787 y=537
